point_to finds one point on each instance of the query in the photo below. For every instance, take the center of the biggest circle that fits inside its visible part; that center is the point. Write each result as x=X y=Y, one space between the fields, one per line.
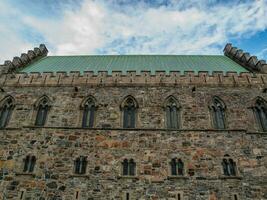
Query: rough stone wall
x=151 y=145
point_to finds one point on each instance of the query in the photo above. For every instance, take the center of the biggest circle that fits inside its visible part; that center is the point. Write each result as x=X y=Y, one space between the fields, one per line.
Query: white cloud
x=181 y=28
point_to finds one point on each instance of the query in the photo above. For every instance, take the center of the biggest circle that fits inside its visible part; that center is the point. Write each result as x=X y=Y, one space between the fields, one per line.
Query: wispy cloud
x=134 y=27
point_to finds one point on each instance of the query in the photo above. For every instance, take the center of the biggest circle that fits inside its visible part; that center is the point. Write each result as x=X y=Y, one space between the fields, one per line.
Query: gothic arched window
x=218 y=113
x=80 y=165
x=172 y=113
x=229 y=167
x=128 y=167
x=129 y=108
x=89 y=109
x=177 y=167
x=260 y=110
x=29 y=163
x=6 y=107
x=42 y=108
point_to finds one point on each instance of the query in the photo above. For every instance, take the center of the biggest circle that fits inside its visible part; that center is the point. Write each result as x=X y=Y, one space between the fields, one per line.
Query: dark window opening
x=5 y=112
x=172 y=115
x=29 y=164
x=80 y=165
x=218 y=114
x=129 y=114
x=260 y=111
x=235 y=197
x=88 y=114
x=229 y=167
x=177 y=167
x=178 y=196
x=127 y=196
x=128 y=167
x=42 y=111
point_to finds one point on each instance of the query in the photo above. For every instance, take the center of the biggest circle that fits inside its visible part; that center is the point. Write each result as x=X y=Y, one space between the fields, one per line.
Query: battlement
x=25 y=59
x=132 y=78
x=251 y=63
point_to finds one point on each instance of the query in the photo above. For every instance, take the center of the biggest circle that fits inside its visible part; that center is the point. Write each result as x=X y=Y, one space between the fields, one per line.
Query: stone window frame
x=135 y=168
x=136 y=106
x=36 y=107
x=258 y=100
x=22 y=194
x=77 y=194
x=3 y=102
x=235 y=196
x=212 y=117
x=82 y=106
x=124 y=195
x=228 y=158
x=179 y=113
x=181 y=193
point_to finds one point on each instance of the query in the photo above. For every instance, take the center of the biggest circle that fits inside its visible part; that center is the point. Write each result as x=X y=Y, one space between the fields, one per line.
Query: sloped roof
x=136 y=63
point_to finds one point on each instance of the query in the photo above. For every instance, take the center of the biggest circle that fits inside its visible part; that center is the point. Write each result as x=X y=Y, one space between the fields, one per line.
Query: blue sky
x=74 y=27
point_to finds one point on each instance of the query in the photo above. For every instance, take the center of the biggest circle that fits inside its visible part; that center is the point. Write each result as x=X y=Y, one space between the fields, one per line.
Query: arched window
x=128 y=167
x=80 y=165
x=89 y=109
x=177 y=167
x=6 y=107
x=172 y=113
x=42 y=107
x=260 y=110
x=29 y=163
x=229 y=167
x=129 y=108
x=218 y=113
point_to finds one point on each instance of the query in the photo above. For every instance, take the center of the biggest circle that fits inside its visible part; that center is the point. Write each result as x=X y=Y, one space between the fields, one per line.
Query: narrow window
x=128 y=167
x=225 y=167
x=42 y=111
x=29 y=163
x=6 y=108
x=218 y=109
x=179 y=196
x=127 y=196
x=80 y=165
x=232 y=167
x=77 y=195
x=172 y=115
x=173 y=167
x=260 y=111
x=22 y=194
x=235 y=197
x=125 y=167
x=180 y=167
x=129 y=113
x=88 y=113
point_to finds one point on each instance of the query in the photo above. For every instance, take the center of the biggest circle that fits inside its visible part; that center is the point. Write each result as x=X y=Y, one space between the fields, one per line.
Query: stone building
x=133 y=127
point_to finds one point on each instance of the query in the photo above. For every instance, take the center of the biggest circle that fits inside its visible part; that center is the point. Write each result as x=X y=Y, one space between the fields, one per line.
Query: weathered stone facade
x=152 y=146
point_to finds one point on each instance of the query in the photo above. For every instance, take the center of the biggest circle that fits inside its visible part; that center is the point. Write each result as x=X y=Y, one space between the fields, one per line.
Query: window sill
x=177 y=177
x=79 y=176
x=24 y=174
x=230 y=177
x=128 y=177
x=257 y=133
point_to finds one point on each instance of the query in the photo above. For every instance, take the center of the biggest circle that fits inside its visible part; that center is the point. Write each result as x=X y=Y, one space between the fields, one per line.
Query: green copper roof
x=136 y=63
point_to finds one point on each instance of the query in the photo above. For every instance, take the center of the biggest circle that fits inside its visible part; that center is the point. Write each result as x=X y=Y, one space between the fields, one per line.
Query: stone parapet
x=245 y=59
x=131 y=78
x=25 y=59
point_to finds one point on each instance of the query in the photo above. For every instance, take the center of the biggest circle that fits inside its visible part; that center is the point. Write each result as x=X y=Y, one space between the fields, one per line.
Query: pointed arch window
x=89 y=109
x=229 y=167
x=128 y=167
x=80 y=165
x=29 y=163
x=129 y=108
x=177 y=167
x=260 y=110
x=42 y=107
x=172 y=113
x=6 y=108
x=218 y=113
